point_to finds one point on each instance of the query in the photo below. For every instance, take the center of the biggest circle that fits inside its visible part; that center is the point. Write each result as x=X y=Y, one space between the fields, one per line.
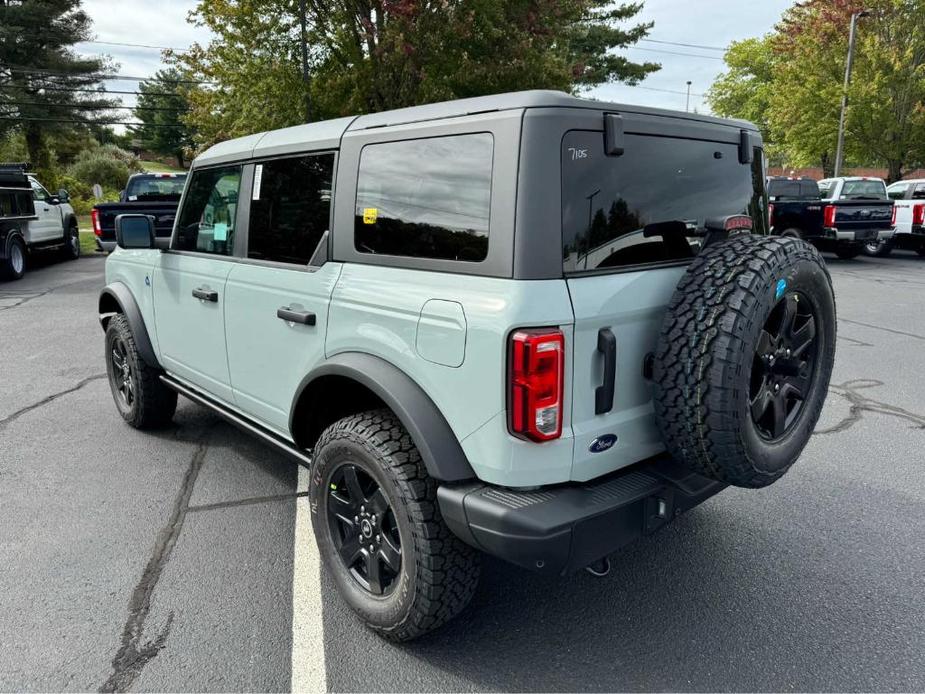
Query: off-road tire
x=7 y=269
x=153 y=404
x=439 y=573
x=706 y=351
x=920 y=251
x=849 y=252
x=71 y=248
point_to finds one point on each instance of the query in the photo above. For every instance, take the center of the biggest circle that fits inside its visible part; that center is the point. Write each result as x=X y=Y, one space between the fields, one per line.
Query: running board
x=240 y=421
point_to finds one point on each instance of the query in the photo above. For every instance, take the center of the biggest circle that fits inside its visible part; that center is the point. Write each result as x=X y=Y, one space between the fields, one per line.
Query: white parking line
x=308 y=667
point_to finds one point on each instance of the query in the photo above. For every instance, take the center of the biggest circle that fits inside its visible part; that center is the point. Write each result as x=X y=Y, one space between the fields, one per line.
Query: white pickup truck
x=909 y=212
x=32 y=219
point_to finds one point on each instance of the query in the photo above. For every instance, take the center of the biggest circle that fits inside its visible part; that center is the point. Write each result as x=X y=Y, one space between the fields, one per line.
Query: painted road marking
x=308 y=667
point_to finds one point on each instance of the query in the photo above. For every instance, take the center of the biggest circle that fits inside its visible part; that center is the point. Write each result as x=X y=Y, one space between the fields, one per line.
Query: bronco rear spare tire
x=744 y=358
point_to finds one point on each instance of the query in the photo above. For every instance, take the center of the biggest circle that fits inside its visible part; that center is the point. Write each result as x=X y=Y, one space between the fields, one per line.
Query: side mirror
x=63 y=195
x=134 y=231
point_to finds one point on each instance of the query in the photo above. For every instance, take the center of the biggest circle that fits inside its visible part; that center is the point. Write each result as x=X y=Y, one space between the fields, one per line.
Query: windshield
x=155 y=187
x=874 y=189
x=608 y=201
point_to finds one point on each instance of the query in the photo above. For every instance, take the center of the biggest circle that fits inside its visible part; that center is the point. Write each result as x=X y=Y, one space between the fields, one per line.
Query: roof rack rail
x=15 y=166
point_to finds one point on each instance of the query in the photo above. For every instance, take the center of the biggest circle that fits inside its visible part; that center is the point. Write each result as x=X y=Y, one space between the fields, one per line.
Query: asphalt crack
x=246 y=502
x=9 y=419
x=880 y=327
x=859 y=404
x=27 y=296
x=134 y=654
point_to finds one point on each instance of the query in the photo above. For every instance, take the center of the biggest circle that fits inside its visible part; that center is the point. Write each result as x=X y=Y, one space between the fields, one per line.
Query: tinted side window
x=425 y=198
x=607 y=202
x=290 y=208
x=207 y=219
x=38 y=192
x=898 y=191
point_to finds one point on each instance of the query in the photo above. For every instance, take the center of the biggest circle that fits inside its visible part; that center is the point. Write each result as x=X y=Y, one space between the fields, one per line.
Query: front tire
x=379 y=529
x=140 y=396
x=71 y=249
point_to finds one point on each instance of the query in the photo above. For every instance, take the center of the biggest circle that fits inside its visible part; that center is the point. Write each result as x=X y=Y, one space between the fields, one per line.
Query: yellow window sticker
x=370 y=215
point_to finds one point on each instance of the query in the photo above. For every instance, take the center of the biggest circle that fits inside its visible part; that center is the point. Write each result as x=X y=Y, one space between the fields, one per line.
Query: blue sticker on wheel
x=781 y=288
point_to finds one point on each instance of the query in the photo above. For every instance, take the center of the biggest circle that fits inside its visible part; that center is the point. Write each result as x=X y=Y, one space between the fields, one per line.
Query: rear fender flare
x=118 y=295
x=440 y=450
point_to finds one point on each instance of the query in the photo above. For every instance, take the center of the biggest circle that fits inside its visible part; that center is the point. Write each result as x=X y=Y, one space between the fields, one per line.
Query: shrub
x=108 y=165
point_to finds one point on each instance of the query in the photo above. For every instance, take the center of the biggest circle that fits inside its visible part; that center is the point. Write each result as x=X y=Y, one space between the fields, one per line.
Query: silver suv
x=529 y=325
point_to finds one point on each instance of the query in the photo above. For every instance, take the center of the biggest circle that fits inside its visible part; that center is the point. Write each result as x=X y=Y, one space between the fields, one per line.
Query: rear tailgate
x=863 y=215
x=163 y=213
x=620 y=280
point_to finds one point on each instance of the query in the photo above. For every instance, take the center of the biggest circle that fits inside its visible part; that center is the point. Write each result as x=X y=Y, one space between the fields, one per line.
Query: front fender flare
x=119 y=293
x=440 y=450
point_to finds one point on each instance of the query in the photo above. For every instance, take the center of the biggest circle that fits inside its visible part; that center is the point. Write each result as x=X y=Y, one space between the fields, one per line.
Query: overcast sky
x=712 y=23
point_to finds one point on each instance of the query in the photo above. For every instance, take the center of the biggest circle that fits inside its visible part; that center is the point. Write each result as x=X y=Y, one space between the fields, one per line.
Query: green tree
x=790 y=84
x=162 y=103
x=371 y=55
x=39 y=71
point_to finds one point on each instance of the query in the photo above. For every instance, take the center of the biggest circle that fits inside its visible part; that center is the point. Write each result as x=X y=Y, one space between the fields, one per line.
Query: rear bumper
x=858 y=235
x=559 y=529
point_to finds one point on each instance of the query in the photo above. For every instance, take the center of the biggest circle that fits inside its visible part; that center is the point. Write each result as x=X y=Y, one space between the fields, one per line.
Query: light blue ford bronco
x=527 y=325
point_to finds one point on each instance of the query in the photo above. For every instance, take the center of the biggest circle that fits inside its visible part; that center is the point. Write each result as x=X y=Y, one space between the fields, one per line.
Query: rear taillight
x=918 y=214
x=893 y=216
x=536 y=382
x=771 y=215
x=95 y=222
x=828 y=216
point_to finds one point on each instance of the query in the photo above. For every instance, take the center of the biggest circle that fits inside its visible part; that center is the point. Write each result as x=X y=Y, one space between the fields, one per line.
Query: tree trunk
x=180 y=161
x=894 y=171
x=828 y=166
x=39 y=156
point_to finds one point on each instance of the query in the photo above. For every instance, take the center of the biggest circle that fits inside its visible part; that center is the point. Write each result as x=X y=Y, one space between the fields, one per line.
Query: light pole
x=839 y=150
x=687 y=100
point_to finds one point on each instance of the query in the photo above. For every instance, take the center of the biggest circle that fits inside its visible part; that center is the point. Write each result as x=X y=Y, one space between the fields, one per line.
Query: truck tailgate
x=163 y=213
x=853 y=215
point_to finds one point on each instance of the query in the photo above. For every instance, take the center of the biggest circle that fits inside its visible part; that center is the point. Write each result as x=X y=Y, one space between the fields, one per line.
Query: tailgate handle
x=603 y=394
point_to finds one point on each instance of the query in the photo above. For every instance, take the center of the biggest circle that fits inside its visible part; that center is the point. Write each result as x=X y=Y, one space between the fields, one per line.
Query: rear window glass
x=426 y=198
x=794 y=190
x=919 y=192
x=863 y=189
x=897 y=191
x=608 y=201
x=155 y=188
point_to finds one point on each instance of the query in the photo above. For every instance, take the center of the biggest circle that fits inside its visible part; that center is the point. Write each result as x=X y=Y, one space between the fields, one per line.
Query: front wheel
x=380 y=532
x=141 y=398
x=71 y=249
x=848 y=252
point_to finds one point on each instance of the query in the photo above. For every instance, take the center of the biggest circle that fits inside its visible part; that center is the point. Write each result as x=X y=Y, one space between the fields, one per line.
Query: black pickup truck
x=154 y=194
x=838 y=215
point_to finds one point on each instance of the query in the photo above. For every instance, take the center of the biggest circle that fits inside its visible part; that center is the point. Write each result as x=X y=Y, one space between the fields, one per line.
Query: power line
x=100 y=77
x=89 y=107
x=659 y=50
x=90 y=122
x=136 y=45
x=89 y=91
x=686 y=45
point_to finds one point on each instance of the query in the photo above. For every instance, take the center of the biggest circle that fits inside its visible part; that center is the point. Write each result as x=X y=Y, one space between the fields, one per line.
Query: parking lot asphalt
x=169 y=561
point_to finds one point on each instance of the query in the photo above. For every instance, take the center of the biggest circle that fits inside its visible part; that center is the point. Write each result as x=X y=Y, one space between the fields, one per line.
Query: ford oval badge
x=603 y=443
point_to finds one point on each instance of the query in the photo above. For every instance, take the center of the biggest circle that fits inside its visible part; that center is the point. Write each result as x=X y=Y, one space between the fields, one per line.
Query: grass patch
x=87 y=243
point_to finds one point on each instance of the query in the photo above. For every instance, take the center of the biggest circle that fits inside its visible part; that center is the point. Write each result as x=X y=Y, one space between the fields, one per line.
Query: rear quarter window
x=607 y=201
x=427 y=198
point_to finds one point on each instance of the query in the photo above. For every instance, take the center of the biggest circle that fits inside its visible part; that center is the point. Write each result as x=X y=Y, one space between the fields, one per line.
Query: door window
x=290 y=208
x=427 y=198
x=897 y=191
x=38 y=192
x=207 y=219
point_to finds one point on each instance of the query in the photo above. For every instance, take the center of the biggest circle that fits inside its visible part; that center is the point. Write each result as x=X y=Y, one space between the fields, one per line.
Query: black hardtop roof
x=328 y=133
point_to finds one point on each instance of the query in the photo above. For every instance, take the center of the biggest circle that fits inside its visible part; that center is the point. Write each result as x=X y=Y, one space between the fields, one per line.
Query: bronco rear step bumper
x=565 y=528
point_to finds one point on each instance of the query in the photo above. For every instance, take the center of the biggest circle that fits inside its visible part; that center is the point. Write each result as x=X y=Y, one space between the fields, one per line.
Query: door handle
x=295 y=316
x=205 y=294
x=603 y=394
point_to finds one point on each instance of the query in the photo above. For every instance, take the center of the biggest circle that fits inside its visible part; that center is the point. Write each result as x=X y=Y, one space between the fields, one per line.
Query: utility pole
x=839 y=150
x=687 y=100
x=305 y=78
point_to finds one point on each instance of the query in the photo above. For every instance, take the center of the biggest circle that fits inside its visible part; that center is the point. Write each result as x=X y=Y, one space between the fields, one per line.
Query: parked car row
x=849 y=215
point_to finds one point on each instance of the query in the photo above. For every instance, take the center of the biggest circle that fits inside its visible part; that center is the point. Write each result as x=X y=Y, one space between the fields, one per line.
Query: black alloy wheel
x=121 y=375
x=783 y=367
x=363 y=529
